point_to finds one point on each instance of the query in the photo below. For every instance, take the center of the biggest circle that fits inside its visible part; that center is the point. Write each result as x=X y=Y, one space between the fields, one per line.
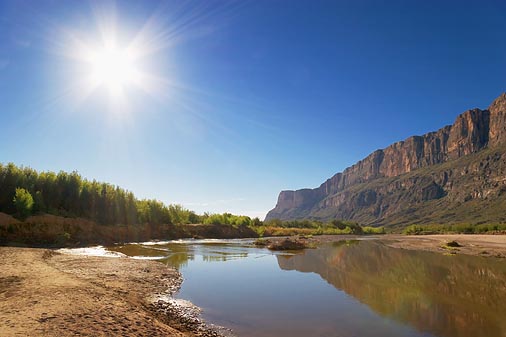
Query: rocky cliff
x=440 y=176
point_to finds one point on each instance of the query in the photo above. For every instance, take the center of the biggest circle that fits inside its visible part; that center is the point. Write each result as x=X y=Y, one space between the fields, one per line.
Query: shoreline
x=470 y=244
x=485 y=245
x=47 y=293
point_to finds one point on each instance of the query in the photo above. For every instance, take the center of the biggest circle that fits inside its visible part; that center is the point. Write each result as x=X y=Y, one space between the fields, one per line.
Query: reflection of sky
x=242 y=287
x=350 y=288
x=177 y=253
x=256 y=298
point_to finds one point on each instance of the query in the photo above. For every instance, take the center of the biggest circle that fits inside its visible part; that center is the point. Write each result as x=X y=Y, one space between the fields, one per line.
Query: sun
x=113 y=68
x=110 y=65
x=118 y=65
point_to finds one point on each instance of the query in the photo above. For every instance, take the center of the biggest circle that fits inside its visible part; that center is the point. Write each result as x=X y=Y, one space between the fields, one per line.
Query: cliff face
x=408 y=172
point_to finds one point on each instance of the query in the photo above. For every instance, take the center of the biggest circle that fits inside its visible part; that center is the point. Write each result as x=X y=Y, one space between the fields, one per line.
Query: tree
x=339 y=224
x=39 y=205
x=24 y=203
x=256 y=222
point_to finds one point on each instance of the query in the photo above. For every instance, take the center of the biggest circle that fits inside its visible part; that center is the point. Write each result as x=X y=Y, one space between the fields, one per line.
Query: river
x=345 y=289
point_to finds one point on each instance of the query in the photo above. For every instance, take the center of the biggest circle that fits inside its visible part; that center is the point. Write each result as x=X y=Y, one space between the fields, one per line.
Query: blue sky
x=251 y=97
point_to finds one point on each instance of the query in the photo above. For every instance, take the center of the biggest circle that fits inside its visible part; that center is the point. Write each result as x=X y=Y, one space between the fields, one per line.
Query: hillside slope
x=453 y=175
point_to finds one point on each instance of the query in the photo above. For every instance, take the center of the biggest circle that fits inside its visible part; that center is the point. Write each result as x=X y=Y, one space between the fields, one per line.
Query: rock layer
x=384 y=186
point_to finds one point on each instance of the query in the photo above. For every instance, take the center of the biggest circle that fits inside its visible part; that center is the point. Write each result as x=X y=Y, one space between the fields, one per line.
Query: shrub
x=24 y=203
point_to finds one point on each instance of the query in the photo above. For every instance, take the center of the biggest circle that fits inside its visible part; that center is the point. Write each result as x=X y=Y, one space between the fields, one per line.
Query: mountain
x=456 y=174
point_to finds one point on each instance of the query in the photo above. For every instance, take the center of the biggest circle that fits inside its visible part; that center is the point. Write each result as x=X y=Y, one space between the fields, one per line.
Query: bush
x=24 y=203
x=413 y=230
x=373 y=230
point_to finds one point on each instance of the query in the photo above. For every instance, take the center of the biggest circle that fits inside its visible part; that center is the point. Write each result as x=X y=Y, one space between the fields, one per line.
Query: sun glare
x=114 y=69
x=121 y=62
x=110 y=65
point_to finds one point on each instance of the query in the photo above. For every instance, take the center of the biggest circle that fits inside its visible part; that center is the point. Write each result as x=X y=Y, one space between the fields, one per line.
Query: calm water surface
x=354 y=288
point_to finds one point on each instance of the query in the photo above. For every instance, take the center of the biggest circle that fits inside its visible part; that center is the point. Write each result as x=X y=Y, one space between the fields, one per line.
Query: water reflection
x=178 y=253
x=443 y=295
x=370 y=290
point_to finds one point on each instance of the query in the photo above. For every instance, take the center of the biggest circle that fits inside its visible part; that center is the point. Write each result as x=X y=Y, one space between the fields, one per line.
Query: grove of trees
x=24 y=191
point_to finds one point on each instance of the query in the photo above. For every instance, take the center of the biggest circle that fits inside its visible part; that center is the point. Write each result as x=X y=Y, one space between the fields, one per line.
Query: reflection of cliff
x=446 y=296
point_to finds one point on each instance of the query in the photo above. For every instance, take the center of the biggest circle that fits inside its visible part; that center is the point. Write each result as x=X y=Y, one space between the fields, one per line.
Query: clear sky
x=224 y=104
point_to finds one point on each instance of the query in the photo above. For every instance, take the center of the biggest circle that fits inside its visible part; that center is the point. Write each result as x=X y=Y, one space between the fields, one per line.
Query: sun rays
x=120 y=68
x=117 y=61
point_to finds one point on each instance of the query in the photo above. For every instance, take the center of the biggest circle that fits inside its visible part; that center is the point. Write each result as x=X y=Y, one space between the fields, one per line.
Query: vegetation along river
x=348 y=288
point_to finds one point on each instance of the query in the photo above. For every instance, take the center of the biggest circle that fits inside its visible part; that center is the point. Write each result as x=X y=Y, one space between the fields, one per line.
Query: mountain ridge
x=473 y=131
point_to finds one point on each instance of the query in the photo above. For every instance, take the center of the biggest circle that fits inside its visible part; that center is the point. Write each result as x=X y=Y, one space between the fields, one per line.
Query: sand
x=471 y=244
x=43 y=293
x=482 y=245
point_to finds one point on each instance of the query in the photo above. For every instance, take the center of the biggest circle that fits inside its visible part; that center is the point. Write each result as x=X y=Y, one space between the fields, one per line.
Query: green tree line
x=229 y=219
x=335 y=226
x=454 y=229
x=24 y=191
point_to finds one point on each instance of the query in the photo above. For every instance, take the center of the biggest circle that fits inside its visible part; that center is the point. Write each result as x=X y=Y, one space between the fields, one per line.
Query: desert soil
x=44 y=293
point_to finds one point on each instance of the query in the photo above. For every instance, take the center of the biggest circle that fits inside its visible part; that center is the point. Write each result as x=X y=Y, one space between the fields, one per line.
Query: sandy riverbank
x=482 y=245
x=478 y=245
x=48 y=294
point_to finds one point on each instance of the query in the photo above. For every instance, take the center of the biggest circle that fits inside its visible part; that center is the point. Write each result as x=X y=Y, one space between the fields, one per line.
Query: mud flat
x=46 y=293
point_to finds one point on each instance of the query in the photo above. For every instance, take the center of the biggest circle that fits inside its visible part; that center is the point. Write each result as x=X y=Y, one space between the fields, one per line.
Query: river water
x=343 y=289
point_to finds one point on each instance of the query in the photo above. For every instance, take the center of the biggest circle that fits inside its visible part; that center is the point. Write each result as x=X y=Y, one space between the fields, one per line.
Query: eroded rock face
x=497 y=134
x=469 y=133
x=339 y=197
x=298 y=199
